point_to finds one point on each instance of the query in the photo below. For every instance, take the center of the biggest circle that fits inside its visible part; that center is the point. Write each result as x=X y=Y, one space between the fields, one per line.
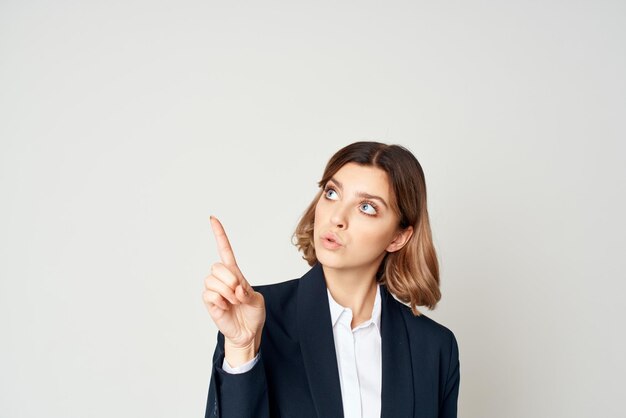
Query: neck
x=354 y=289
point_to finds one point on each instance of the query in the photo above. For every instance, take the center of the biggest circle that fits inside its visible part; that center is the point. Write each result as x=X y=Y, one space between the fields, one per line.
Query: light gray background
x=125 y=124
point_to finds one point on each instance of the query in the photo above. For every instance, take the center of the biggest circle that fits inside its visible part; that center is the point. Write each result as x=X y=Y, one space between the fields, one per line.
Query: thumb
x=245 y=293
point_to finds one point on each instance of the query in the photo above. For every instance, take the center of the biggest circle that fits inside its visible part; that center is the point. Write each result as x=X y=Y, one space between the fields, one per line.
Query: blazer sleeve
x=236 y=395
x=451 y=387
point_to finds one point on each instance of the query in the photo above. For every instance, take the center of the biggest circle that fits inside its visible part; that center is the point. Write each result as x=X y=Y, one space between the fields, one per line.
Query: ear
x=401 y=238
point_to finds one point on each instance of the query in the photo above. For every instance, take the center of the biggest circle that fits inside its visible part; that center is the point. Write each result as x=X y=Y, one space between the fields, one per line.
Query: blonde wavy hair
x=411 y=273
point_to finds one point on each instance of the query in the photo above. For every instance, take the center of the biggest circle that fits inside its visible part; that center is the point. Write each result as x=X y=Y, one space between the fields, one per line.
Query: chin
x=323 y=257
x=330 y=260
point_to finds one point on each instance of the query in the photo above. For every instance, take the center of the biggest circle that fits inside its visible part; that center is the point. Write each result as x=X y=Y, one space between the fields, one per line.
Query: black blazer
x=297 y=374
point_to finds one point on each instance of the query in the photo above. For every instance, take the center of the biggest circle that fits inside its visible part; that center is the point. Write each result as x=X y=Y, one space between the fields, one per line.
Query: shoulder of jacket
x=278 y=294
x=423 y=325
x=277 y=288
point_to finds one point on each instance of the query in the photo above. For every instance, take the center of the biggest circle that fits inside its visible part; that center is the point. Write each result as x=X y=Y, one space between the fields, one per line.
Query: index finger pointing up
x=223 y=245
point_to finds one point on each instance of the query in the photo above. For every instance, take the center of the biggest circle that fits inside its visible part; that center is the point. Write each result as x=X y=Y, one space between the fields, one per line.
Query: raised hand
x=236 y=308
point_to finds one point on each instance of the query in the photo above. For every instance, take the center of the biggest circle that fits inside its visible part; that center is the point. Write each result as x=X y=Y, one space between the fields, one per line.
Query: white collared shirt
x=359 y=360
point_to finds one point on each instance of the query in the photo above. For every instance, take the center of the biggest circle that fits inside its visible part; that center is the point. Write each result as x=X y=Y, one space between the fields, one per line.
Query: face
x=355 y=211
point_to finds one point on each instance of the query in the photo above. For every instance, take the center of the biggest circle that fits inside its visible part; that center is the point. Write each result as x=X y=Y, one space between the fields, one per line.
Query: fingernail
x=245 y=292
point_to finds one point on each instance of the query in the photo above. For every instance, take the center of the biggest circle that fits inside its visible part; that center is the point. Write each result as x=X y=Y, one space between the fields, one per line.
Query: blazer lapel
x=397 y=386
x=317 y=343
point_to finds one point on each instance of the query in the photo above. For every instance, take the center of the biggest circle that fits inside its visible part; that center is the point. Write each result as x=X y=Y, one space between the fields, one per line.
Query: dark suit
x=297 y=374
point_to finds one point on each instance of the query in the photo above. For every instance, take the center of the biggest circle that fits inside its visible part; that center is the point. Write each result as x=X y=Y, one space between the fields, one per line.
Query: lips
x=329 y=236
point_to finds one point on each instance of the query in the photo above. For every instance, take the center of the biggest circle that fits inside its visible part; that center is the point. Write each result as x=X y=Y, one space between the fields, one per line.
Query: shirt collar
x=336 y=309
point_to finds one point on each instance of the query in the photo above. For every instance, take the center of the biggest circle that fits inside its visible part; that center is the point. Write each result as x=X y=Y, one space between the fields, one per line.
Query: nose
x=339 y=217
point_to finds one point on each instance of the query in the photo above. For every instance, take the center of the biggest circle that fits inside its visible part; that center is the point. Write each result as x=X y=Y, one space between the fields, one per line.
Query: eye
x=326 y=194
x=372 y=211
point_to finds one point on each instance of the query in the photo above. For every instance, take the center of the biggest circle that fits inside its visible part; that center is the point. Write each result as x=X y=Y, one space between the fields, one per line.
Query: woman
x=335 y=342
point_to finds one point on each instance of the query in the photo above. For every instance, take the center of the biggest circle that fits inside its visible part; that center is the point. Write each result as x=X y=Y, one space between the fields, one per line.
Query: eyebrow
x=361 y=194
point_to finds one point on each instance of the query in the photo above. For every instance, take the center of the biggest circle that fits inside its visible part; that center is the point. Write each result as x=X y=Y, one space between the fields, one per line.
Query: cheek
x=317 y=212
x=317 y=218
x=319 y=209
x=377 y=238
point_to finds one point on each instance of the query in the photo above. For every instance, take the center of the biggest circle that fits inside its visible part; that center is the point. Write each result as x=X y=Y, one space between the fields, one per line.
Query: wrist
x=236 y=356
